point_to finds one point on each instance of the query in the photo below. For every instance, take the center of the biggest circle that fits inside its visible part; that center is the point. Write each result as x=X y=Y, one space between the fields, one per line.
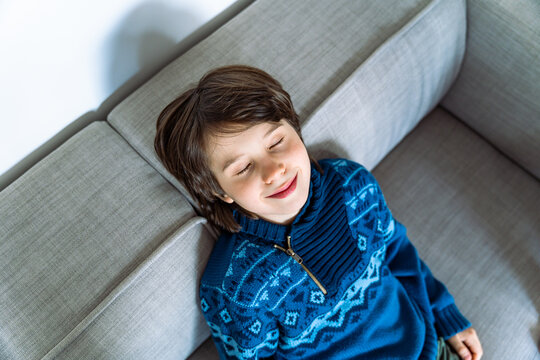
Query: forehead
x=225 y=146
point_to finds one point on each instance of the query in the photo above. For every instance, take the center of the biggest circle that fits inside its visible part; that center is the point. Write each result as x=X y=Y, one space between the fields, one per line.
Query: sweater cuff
x=449 y=321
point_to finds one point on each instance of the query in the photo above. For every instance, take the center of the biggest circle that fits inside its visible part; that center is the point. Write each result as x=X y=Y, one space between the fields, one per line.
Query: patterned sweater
x=343 y=281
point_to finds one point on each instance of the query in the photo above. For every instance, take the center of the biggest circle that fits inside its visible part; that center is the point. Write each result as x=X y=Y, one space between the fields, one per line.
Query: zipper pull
x=289 y=251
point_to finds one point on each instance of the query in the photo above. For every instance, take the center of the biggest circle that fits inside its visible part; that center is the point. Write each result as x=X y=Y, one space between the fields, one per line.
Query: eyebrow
x=271 y=130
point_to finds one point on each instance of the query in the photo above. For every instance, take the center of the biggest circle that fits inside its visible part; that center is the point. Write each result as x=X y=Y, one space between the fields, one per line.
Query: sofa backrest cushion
x=384 y=99
x=154 y=313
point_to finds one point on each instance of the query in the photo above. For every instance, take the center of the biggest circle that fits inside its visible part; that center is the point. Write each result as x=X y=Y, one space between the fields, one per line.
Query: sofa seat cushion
x=474 y=216
x=310 y=47
x=71 y=229
x=154 y=313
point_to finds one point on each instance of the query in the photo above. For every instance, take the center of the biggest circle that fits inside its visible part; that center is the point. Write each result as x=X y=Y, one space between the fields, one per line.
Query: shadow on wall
x=148 y=38
x=143 y=42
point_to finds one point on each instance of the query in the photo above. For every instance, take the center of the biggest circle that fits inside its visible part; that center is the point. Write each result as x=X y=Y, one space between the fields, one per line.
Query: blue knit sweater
x=341 y=282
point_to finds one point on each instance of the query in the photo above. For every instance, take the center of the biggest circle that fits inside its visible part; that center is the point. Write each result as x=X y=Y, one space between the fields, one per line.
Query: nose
x=272 y=170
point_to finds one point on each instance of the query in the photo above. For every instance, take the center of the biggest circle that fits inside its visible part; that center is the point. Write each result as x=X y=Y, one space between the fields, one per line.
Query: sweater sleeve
x=415 y=276
x=238 y=333
x=401 y=257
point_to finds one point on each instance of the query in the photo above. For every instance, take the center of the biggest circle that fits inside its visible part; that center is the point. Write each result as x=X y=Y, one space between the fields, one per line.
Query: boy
x=310 y=264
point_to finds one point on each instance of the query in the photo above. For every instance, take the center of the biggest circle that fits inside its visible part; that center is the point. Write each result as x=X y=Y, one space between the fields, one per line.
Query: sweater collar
x=277 y=233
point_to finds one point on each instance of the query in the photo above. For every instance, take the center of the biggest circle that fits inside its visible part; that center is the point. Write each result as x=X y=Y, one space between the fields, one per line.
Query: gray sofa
x=101 y=250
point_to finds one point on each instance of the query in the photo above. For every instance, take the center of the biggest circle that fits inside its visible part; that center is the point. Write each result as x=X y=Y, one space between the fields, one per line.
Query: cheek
x=227 y=186
x=299 y=152
x=241 y=191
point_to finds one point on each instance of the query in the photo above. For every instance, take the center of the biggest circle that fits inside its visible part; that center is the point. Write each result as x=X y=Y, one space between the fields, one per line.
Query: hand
x=466 y=344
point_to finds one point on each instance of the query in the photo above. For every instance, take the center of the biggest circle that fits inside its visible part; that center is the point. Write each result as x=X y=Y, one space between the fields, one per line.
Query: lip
x=285 y=190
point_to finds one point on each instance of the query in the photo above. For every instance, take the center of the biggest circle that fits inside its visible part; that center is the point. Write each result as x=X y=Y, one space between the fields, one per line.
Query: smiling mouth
x=289 y=189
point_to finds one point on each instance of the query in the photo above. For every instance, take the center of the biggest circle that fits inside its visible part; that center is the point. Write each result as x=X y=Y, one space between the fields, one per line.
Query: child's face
x=264 y=169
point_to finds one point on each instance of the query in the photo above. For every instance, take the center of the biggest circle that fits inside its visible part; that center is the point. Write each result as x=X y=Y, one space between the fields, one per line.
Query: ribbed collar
x=306 y=218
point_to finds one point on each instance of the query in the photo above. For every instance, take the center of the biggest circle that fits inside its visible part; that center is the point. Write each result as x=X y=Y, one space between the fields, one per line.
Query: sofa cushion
x=393 y=89
x=497 y=91
x=72 y=228
x=154 y=313
x=474 y=216
x=310 y=47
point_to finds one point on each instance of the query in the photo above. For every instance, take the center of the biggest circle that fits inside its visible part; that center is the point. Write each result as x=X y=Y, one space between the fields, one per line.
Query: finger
x=460 y=349
x=474 y=345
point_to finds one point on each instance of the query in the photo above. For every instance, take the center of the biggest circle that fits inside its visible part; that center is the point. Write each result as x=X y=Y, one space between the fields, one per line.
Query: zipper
x=289 y=251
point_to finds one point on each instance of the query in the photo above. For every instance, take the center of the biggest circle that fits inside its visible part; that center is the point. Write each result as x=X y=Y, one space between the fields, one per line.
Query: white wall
x=66 y=63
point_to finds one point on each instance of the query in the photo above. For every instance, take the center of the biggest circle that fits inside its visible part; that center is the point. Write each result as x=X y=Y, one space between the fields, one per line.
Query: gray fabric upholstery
x=154 y=313
x=310 y=48
x=474 y=217
x=393 y=89
x=498 y=89
x=72 y=228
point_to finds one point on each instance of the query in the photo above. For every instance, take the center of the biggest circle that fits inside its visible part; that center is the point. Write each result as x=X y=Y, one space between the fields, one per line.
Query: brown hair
x=227 y=99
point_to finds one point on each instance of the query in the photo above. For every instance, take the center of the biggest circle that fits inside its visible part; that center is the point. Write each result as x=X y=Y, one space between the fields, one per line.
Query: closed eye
x=279 y=142
x=244 y=169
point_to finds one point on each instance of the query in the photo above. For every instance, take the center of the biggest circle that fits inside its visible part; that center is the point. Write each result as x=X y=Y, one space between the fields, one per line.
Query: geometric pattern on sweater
x=259 y=302
x=364 y=197
x=353 y=299
x=233 y=349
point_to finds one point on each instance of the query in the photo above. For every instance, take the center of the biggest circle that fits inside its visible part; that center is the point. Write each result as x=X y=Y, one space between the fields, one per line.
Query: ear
x=225 y=198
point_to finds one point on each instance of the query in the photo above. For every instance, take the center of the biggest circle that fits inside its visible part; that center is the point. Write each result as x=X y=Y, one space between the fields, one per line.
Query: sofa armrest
x=496 y=92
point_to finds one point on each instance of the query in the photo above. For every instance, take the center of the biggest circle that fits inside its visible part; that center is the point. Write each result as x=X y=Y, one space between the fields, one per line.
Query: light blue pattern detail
x=229 y=270
x=275 y=282
x=389 y=232
x=204 y=305
x=362 y=242
x=352 y=175
x=354 y=296
x=302 y=279
x=225 y=316
x=242 y=249
x=241 y=254
x=363 y=196
x=363 y=214
x=250 y=269
x=339 y=163
x=360 y=195
x=255 y=303
x=256 y=327
x=284 y=270
x=234 y=349
x=292 y=318
x=316 y=297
